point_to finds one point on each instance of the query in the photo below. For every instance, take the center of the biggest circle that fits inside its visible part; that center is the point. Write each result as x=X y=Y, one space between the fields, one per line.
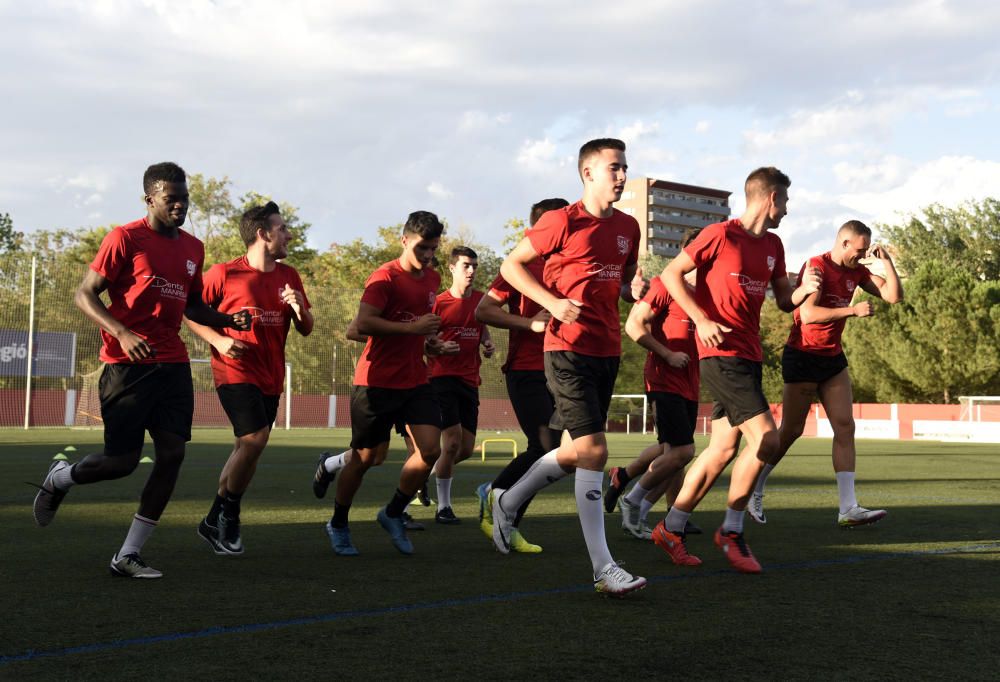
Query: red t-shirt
x=585 y=258
x=459 y=323
x=396 y=361
x=837 y=290
x=734 y=269
x=524 y=347
x=672 y=328
x=150 y=279
x=235 y=286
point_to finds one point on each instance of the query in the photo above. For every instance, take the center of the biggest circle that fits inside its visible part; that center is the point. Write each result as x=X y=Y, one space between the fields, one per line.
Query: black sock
x=340 y=512
x=231 y=505
x=398 y=503
x=213 y=513
x=623 y=478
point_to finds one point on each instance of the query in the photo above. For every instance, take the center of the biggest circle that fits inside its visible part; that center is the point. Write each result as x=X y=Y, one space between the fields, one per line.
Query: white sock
x=542 y=473
x=733 y=522
x=444 y=493
x=138 y=533
x=337 y=462
x=588 y=486
x=62 y=479
x=644 y=508
x=636 y=495
x=845 y=487
x=762 y=479
x=676 y=520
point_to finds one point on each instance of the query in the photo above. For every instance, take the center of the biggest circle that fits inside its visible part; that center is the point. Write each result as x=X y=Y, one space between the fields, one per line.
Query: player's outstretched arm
x=371 y=323
x=710 y=333
x=88 y=299
x=514 y=271
x=639 y=328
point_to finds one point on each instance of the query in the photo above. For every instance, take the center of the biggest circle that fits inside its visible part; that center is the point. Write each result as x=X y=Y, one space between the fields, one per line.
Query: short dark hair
x=544 y=206
x=765 y=180
x=856 y=227
x=256 y=218
x=595 y=147
x=690 y=236
x=168 y=171
x=423 y=223
x=460 y=251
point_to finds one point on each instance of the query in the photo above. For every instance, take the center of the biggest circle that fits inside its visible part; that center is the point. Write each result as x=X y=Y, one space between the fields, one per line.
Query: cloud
x=439 y=191
x=702 y=127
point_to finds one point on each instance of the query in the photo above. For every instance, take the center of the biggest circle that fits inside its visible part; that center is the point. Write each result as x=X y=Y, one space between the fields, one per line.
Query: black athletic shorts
x=676 y=418
x=581 y=386
x=248 y=409
x=459 y=402
x=146 y=397
x=736 y=385
x=802 y=367
x=374 y=412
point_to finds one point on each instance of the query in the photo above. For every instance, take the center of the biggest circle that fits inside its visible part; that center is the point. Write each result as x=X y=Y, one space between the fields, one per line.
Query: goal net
x=628 y=413
x=979 y=408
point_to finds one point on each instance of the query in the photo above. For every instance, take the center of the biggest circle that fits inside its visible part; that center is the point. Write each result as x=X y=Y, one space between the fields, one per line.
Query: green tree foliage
x=10 y=239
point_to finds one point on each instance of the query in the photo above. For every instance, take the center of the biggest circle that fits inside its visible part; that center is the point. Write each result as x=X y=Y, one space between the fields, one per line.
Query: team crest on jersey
x=623 y=244
x=850 y=284
x=770 y=263
x=191 y=266
x=431 y=298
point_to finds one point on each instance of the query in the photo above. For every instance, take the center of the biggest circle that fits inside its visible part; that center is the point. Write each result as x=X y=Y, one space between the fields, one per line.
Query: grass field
x=916 y=596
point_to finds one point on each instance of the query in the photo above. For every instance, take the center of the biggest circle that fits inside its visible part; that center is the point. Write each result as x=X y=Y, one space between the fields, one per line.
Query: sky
x=359 y=113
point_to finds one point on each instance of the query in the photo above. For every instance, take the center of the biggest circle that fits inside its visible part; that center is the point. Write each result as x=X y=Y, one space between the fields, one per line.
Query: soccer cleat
x=615 y=489
x=486 y=510
x=132 y=566
x=410 y=523
x=645 y=532
x=691 y=529
x=48 y=497
x=396 y=529
x=230 y=541
x=675 y=545
x=446 y=516
x=858 y=516
x=737 y=551
x=340 y=539
x=503 y=526
x=630 y=518
x=755 y=507
x=210 y=534
x=423 y=498
x=616 y=581
x=519 y=544
x=322 y=478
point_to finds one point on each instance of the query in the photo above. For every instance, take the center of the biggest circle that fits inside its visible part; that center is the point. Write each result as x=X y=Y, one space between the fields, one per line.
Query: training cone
x=69 y=448
x=146 y=460
x=61 y=457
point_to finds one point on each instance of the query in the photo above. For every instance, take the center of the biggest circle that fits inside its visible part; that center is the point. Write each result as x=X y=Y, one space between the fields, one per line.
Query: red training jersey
x=150 y=277
x=585 y=258
x=671 y=327
x=235 y=286
x=524 y=347
x=459 y=323
x=734 y=269
x=396 y=361
x=836 y=291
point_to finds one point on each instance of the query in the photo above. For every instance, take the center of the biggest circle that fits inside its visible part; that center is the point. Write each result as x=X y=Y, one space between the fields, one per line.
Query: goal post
x=624 y=408
x=978 y=408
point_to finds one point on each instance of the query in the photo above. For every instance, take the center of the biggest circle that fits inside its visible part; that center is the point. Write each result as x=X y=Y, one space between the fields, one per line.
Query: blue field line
x=464 y=601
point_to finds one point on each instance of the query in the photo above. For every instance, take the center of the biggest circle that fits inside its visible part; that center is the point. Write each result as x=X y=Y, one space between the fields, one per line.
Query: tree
x=10 y=239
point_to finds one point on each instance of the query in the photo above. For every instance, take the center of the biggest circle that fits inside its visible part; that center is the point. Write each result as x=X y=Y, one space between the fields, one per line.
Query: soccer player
x=455 y=378
x=735 y=261
x=591 y=252
x=524 y=372
x=390 y=380
x=249 y=367
x=813 y=363
x=151 y=271
x=660 y=325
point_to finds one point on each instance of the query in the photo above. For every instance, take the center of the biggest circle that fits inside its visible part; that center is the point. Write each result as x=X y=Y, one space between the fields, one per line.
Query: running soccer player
x=735 y=261
x=455 y=378
x=591 y=252
x=249 y=366
x=524 y=372
x=813 y=362
x=151 y=271
x=390 y=380
x=660 y=325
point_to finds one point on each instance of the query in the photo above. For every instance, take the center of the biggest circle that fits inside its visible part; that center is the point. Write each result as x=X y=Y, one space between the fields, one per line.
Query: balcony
x=681 y=222
x=664 y=232
x=689 y=205
x=664 y=248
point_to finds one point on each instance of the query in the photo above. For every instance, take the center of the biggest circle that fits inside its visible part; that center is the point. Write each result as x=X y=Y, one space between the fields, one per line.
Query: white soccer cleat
x=630 y=518
x=616 y=581
x=859 y=516
x=132 y=566
x=755 y=508
x=503 y=526
x=49 y=497
x=645 y=532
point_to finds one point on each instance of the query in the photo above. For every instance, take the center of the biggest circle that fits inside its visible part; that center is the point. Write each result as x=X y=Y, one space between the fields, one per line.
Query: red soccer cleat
x=737 y=551
x=674 y=545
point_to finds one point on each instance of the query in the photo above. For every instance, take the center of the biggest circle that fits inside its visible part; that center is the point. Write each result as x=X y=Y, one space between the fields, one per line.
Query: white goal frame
x=972 y=406
x=645 y=410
